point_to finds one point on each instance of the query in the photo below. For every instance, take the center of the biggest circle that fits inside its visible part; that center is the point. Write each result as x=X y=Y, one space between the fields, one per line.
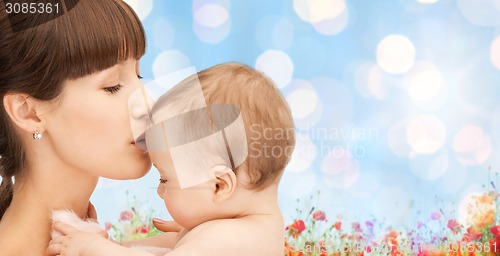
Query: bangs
x=92 y=36
x=96 y=35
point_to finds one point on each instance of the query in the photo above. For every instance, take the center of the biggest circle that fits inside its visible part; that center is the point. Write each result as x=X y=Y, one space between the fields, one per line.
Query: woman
x=64 y=118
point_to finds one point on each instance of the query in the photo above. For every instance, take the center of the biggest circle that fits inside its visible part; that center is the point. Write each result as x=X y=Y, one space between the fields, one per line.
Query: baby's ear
x=224 y=183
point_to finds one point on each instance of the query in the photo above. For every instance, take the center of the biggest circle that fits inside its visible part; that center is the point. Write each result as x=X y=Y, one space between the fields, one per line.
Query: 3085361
x=27 y=8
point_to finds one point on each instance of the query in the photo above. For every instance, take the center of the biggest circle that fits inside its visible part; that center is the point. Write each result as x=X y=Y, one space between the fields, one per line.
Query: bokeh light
x=396 y=138
x=472 y=145
x=426 y=86
x=318 y=10
x=211 y=15
x=495 y=52
x=163 y=34
x=427 y=1
x=282 y=34
x=332 y=26
x=274 y=32
x=495 y=124
x=429 y=167
x=277 y=65
x=303 y=118
x=304 y=154
x=212 y=22
x=470 y=207
x=395 y=54
x=142 y=7
x=340 y=169
x=481 y=12
x=328 y=17
x=170 y=61
x=426 y=134
x=463 y=207
x=422 y=73
x=370 y=81
x=302 y=102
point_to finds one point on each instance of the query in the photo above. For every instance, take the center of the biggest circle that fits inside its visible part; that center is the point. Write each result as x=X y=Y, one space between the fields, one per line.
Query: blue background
x=396 y=102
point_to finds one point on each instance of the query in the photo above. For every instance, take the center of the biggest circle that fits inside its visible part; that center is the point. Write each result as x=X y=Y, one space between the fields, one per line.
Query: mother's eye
x=113 y=89
x=162 y=181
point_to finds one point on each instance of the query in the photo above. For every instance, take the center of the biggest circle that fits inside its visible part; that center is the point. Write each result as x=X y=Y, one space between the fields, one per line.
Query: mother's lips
x=140 y=143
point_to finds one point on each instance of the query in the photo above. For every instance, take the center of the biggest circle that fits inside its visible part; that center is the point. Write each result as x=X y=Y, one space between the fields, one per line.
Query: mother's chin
x=129 y=168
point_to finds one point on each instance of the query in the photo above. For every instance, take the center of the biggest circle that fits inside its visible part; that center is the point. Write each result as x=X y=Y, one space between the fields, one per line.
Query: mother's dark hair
x=92 y=36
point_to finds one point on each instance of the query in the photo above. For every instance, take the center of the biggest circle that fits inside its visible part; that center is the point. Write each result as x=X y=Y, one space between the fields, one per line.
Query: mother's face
x=89 y=127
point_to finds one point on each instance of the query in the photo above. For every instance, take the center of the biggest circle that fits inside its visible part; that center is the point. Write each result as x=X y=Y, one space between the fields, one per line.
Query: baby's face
x=186 y=206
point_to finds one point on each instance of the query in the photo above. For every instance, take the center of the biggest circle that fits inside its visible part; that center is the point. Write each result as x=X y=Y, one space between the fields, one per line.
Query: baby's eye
x=162 y=181
x=113 y=89
x=140 y=77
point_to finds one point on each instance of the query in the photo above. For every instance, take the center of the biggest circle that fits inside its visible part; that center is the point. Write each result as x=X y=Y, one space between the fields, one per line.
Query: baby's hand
x=72 y=242
x=70 y=218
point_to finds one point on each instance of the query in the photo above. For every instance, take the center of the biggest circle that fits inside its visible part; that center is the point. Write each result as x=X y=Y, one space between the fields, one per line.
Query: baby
x=220 y=142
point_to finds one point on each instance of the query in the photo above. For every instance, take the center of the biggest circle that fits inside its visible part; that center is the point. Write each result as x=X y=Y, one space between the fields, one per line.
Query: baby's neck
x=263 y=202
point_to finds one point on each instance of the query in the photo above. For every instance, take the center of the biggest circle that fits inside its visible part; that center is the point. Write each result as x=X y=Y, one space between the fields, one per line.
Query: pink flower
x=358 y=237
x=338 y=225
x=296 y=228
x=495 y=230
x=369 y=224
x=356 y=227
x=108 y=226
x=453 y=226
x=419 y=224
x=472 y=235
x=126 y=215
x=435 y=216
x=143 y=229
x=319 y=215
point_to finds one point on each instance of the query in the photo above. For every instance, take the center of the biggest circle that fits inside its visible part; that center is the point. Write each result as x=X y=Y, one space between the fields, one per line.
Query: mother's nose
x=140 y=105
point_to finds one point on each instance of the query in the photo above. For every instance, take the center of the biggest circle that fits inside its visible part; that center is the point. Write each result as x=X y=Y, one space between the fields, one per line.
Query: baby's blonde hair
x=266 y=115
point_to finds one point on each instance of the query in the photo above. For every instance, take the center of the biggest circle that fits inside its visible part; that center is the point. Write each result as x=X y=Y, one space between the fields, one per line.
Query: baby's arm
x=212 y=238
x=74 y=242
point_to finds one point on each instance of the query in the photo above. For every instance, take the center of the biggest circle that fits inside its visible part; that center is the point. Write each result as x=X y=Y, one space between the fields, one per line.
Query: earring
x=37 y=135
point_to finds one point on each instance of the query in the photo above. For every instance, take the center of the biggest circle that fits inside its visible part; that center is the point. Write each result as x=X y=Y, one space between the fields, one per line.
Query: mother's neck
x=27 y=220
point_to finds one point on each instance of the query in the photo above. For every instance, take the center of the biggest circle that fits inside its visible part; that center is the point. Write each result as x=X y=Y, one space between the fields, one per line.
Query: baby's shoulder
x=252 y=225
x=240 y=236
